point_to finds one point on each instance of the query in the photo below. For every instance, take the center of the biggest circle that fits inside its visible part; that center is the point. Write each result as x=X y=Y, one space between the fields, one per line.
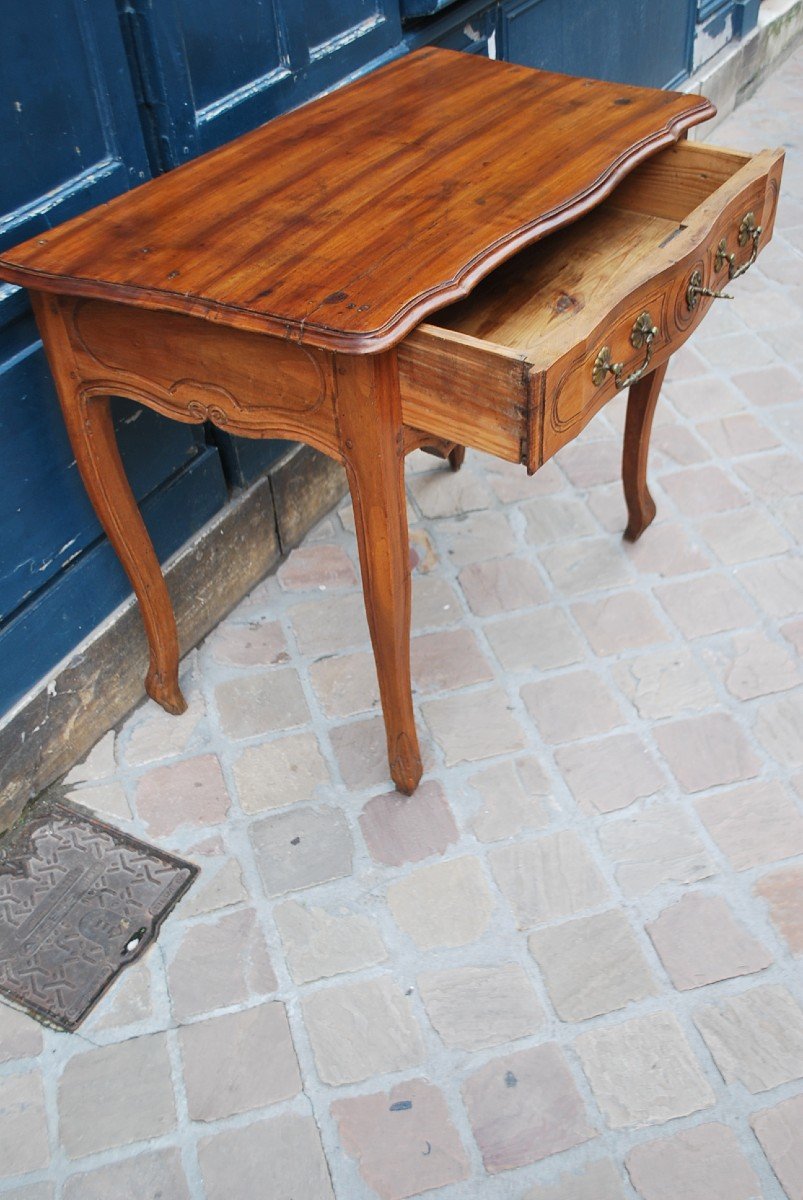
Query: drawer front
x=578 y=381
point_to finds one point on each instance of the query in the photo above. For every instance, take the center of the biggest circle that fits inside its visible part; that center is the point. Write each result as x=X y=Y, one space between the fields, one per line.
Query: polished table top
x=343 y=223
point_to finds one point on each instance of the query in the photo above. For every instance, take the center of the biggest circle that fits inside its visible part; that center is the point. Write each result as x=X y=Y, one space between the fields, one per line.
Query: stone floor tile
x=664 y=683
x=769 y=386
x=790 y=512
x=161 y=735
x=217 y=964
x=667 y=550
x=756 y=1037
x=284 y=771
x=511 y=484
x=705 y=751
x=699 y=941
x=361 y=751
x=155 y=1176
x=643 y=1071
x=779 y=727
x=128 y=1001
x=301 y=848
x=475 y=1007
x=256 y=644
x=440 y=493
x=737 y=350
x=446 y=904
x=318 y=944
x=404 y=1140
x=106 y=799
x=793 y=632
x=736 y=435
x=703 y=1163
x=623 y=621
x=98 y=764
x=475 y=537
x=555 y=518
x=20 y=1035
x=771 y=476
x=361 y=1029
x=346 y=684
x=447 y=660
x=609 y=773
x=591 y=966
x=598 y=1181
x=319 y=566
x=513 y=800
x=776 y=585
x=659 y=845
x=330 y=623
x=778 y=1130
x=591 y=565
x=264 y=703
x=543 y=639
x=709 y=604
x=753 y=825
x=699 y=491
x=400 y=829
x=502 y=585
x=238 y=1062
x=548 y=878
x=571 y=706
x=588 y=464
x=97 y=1113
x=739 y=537
x=705 y=394
x=783 y=891
x=473 y=725
x=192 y=792
x=24 y=1144
x=753 y=665
x=435 y=603
x=235 y=1163
x=679 y=445
x=524 y=1107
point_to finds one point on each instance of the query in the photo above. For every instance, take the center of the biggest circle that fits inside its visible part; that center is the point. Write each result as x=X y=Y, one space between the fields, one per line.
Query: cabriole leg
x=641 y=402
x=372 y=443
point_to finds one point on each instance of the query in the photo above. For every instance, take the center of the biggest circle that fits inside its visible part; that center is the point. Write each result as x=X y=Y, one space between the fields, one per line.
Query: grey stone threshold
x=90 y=692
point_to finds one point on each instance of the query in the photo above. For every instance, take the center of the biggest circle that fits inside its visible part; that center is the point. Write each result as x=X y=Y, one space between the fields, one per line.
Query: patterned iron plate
x=79 y=900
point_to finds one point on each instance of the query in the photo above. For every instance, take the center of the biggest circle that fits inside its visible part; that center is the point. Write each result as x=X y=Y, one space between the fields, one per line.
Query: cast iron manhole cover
x=79 y=900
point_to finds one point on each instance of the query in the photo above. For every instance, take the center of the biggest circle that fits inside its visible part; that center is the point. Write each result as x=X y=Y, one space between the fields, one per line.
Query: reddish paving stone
x=513 y=800
x=258 y=644
x=399 y=829
x=524 y=1107
x=156 y=1176
x=779 y=1131
x=706 y=605
x=705 y=751
x=319 y=566
x=476 y=1007
x=698 y=491
x=502 y=585
x=219 y=963
x=783 y=891
x=192 y=792
x=404 y=1140
x=599 y=1181
x=24 y=1143
x=283 y=1153
x=704 y=1163
x=446 y=660
x=755 y=1037
x=624 y=621
x=571 y=706
x=610 y=773
x=754 y=824
x=699 y=941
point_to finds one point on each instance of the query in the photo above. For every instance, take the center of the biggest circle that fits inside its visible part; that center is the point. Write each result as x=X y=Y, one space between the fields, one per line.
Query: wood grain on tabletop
x=345 y=222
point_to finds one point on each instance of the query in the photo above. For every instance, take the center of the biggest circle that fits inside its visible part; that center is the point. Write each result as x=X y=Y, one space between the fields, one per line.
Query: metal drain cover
x=79 y=900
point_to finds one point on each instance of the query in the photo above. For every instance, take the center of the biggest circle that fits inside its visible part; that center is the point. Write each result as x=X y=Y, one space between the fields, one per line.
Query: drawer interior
x=577 y=270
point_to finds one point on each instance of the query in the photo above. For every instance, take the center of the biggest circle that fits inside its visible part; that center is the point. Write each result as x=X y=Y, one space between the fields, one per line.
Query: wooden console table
x=560 y=235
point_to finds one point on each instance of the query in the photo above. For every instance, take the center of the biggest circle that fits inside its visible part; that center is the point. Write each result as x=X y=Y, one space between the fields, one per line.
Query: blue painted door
x=71 y=138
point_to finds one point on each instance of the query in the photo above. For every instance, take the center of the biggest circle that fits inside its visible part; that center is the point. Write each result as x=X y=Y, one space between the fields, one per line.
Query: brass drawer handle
x=642 y=334
x=748 y=231
x=696 y=289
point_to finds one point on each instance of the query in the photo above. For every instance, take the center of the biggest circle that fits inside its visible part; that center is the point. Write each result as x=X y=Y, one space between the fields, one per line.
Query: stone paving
x=568 y=968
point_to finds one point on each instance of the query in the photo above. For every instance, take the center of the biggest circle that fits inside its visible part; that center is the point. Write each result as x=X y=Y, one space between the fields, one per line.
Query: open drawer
x=523 y=363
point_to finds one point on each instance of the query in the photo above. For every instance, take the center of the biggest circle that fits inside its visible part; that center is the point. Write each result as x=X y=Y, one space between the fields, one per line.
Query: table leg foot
x=166 y=692
x=456 y=457
x=641 y=402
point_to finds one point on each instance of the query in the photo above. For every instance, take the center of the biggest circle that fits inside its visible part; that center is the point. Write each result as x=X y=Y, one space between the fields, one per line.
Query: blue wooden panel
x=45 y=630
x=412 y=9
x=646 y=42
x=45 y=515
